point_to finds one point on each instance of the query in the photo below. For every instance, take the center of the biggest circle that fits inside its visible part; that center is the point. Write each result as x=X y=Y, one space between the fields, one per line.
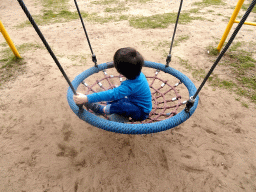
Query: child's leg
x=95 y=107
x=125 y=108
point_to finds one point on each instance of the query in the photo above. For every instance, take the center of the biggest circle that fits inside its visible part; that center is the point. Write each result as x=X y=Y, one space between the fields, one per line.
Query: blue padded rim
x=133 y=128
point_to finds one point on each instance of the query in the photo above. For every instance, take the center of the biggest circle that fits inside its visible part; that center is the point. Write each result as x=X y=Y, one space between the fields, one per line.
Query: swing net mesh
x=166 y=98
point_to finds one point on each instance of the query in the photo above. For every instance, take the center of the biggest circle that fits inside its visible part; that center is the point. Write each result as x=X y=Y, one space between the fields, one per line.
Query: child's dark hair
x=128 y=62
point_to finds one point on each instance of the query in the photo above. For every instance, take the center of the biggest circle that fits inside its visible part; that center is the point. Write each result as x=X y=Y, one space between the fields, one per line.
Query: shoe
x=95 y=107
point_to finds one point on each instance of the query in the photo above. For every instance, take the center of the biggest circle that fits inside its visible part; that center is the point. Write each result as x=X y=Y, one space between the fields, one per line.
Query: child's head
x=128 y=62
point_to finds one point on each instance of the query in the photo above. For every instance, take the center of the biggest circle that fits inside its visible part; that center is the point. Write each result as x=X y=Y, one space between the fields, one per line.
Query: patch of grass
x=10 y=62
x=226 y=19
x=64 y=16
x=235 y=46
x=245 y=104
x=123 y=17
x=186 y=64
x=51 y=17
x=215 y=81
x=29 y=46
x=139 y=1
x=227 y=84
x=55 y=4
x=198 y=74
x=163 y=44
x=4 y=44
x=11 y=66
x=77 y=58
x=108 y=2
x=7 y=53
x=245 y=7
x=116 y=9
x=160 y=20
x=241 y=67
x=230 y=85
x=249 y=82
x=237 y=99
x=195 y=10
x=219 y=14
x=212 y=51
x=253 y=97
x=105 y=2
x=206 y=3
x=54 y=11
x=180 y=39
x=99 y=19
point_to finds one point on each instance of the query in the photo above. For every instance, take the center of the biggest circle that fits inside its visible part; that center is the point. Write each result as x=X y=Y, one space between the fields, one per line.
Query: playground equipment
x=142 y=128
x=231 y=22
x=8 y=40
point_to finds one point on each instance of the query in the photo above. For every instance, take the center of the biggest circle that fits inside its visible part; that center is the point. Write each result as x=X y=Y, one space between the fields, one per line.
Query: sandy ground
x=46 y=147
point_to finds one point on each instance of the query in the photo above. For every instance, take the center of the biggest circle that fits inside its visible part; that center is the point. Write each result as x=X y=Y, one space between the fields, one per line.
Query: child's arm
x=80 y=98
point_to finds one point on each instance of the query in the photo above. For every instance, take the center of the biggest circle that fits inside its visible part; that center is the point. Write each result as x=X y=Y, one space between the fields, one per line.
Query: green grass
x=64 y=16
x=105 y=2
x=245 y=104
x=186 y=64
x=139 y=1
x=108 y=2
x=55 y=5
x=212 y=50
x=195 y=10
x=206 y=3
x=198 y=74
x=51 y=17
x=116 y=9
x=4 y=44
x=241 y=68
x=10 y=62
x=160 y=20
x=249 y=82
x=180 y=39
x=245 y=7
x=240 y=64
x=215 y=81
x=79 y=60
x=56 y=12
x=235 y=46
x=11 y=66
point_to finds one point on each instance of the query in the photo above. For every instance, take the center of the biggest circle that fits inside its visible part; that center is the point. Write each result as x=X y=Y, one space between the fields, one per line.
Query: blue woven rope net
x=168 y=108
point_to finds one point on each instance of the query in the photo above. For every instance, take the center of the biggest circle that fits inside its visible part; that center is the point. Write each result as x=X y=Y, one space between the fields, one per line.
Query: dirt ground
x=46 y=147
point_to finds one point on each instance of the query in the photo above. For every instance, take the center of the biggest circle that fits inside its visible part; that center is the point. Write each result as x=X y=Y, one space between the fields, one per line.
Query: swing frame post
x=8 y=40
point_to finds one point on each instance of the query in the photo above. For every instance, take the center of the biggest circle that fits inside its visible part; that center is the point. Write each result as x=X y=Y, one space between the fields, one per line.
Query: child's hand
x=80 y=98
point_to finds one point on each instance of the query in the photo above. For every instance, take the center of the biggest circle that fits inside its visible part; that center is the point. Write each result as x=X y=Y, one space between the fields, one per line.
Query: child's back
x=133 y=97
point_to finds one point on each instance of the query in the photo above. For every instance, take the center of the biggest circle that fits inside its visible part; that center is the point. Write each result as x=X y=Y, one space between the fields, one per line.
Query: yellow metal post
x=246 y=23
x=230 y=23
x=9 y=41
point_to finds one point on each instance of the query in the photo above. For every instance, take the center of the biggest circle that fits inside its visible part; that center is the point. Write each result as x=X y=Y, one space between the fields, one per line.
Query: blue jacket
x=137 y=90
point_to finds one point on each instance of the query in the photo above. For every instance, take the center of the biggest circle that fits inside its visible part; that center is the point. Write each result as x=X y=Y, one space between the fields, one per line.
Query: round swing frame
x=125 y=128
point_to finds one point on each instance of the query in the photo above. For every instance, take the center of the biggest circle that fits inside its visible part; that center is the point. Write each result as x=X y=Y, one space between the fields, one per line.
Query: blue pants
x=126 y=108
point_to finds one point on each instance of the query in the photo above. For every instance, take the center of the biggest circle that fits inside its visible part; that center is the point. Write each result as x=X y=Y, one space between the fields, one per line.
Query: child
x=132 y=98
